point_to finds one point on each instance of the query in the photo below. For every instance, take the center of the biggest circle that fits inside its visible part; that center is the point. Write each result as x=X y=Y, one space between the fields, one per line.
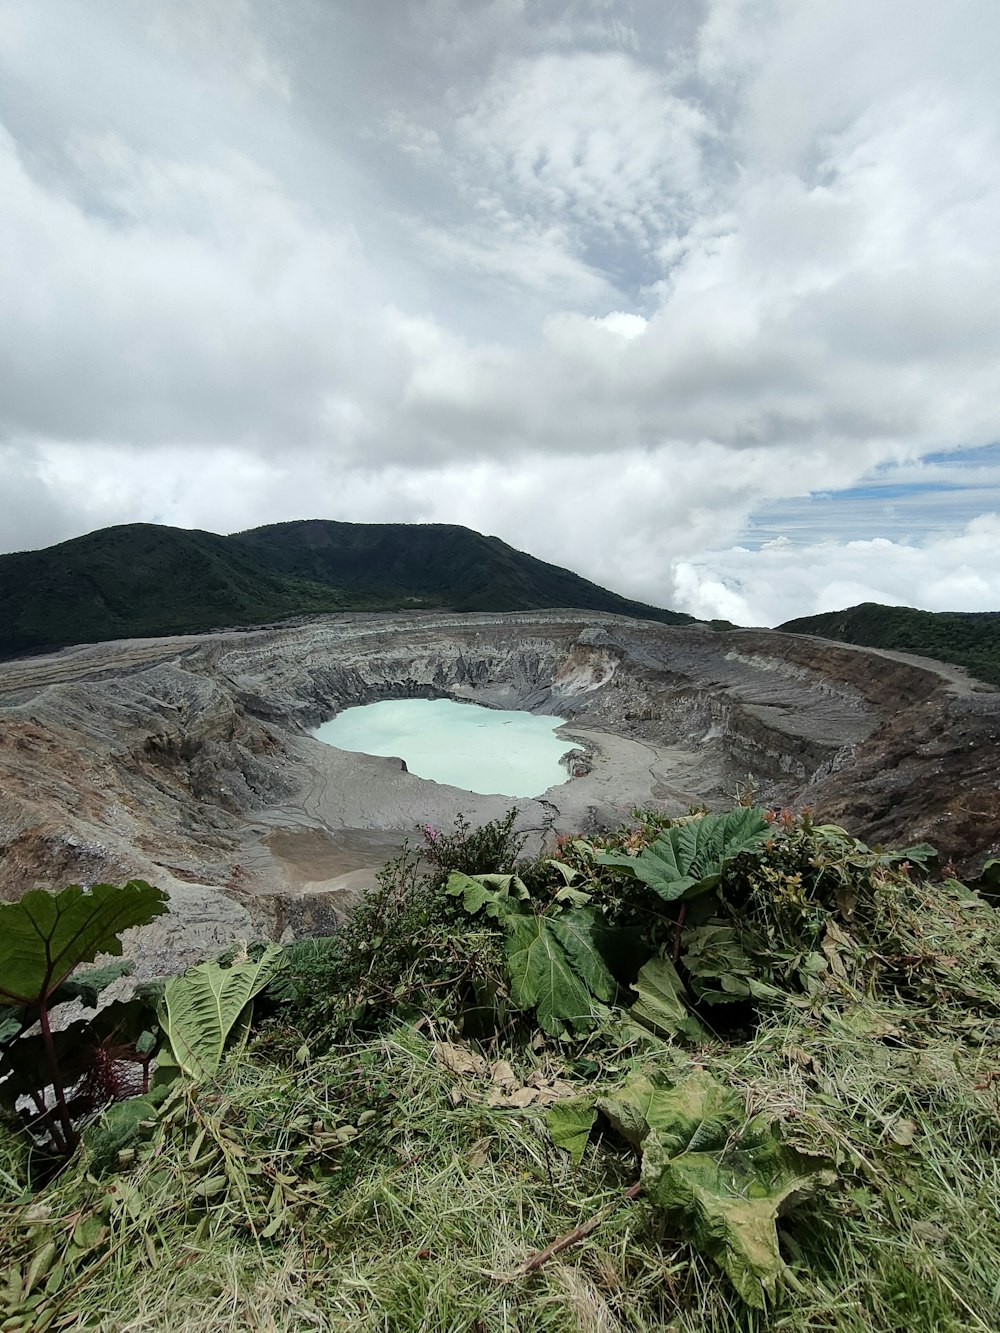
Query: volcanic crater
x=187 y=761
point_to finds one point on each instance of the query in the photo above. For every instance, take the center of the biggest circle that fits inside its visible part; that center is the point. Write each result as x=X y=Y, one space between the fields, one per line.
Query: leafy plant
x=201 y=1008
x=727 y=1178
x=662 y=1007
x=553 y=954
x=491 y=848
x=43 y=938
x=722 y=1176
x=409 y=948
x=689 y=859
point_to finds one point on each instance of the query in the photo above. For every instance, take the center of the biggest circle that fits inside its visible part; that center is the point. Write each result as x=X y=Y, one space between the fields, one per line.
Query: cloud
x=605 y=279
x=196 y=302
x=598 y=140
x=220 y=34
x=783 y=580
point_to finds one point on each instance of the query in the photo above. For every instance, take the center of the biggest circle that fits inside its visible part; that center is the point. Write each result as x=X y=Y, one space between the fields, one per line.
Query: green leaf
x=724 y=1178
x=730 y=1200
x=201 y=1008
x=46 y=935
x=146 y=1042
x=920 y=854
x=575 y=897
x=697 y=1113
x=567 y=872
x=12 y=1023
x=88 y=986
x=489 y=891
x=661 y=1007
x=717 y=964
x=556 y=969
x=690 y=858
x=630 y=1106
x=620 y=859
x=569 y=1123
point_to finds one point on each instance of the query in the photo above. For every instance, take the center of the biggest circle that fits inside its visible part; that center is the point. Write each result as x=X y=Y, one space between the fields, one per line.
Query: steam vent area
x=191 y=762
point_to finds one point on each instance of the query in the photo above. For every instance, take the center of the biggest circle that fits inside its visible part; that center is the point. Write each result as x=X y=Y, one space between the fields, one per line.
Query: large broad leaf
x=46 y=935
x=697 y=1113
x=201 y=1008
x=731 y=1200
x=689 y=859
x=556 y=968
x=499 y=894
x=726 y=1178
x=661 y=1008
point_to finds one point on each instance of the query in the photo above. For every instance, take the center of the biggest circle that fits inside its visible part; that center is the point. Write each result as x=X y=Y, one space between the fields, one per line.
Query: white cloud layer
x=780 y=581
x=604 y=279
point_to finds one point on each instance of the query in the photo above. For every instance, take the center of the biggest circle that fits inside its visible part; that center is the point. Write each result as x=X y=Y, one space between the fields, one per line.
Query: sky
x=698 y=298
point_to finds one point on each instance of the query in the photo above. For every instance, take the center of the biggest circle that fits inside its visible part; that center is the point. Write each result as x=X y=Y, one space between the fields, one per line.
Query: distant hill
x=969 y=639
x=140 y=579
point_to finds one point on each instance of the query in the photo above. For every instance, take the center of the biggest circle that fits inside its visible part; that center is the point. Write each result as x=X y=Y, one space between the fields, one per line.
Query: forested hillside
x=141 y=579
x=969 y=639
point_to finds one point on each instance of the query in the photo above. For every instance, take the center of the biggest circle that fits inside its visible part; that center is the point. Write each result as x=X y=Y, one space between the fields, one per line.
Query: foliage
x=43 y=938
x=201 y=1008
x=689 y=859
x=556 y=968
x=490 y=848
x=569 y=1122
x=553 y=955
x=970 y=639
x=407 y=948
x=661 y=1007
x=141 y=579
x=722 y=1175
x=729 y=1191
x=836 y=1010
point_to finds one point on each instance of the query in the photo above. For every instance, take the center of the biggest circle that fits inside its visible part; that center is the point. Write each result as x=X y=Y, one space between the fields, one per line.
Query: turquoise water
x=483 y=750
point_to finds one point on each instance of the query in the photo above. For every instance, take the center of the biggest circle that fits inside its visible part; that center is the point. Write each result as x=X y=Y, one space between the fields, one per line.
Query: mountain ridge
x=969 y=639
x=140 y=580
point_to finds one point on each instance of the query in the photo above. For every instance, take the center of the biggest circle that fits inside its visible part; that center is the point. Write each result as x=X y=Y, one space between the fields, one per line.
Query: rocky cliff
x=188 y=761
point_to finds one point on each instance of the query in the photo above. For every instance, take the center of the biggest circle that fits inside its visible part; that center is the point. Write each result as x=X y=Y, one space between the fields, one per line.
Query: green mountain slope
x=970 y=639
x=141 y=579
x=136 y=580
x=434 y=563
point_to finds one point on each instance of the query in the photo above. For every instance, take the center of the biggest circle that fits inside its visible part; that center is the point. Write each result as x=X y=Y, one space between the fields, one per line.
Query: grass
x=369 y=1187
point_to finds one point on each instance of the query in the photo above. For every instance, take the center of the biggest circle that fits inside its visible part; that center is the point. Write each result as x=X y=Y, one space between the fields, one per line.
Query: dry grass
x=246 y=1207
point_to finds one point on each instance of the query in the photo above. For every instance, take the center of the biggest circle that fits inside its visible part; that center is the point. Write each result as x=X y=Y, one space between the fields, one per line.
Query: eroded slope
x=187 y=761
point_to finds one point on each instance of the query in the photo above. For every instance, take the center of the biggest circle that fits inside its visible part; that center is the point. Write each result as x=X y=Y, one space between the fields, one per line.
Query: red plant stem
x=68 y=1133
x=681 y=915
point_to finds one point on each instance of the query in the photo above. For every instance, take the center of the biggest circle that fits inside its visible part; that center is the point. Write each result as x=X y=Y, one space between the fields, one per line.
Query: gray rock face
x=187 y=761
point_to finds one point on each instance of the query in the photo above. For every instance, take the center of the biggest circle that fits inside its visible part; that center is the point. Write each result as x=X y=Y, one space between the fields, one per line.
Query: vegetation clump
x=728 y=1072
x=969 y=639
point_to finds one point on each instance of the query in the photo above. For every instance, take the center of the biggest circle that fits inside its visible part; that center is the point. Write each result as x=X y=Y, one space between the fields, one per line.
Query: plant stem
x=678 y=927
x=68 y=1132
x=571 y=1237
